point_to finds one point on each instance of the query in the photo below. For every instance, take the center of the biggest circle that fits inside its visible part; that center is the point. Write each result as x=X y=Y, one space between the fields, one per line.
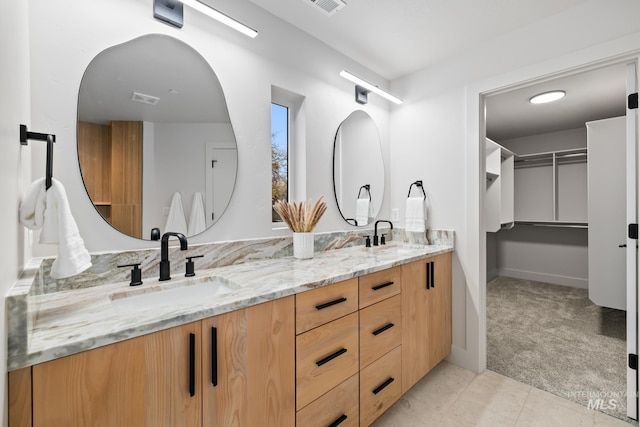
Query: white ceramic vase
x=303 y=245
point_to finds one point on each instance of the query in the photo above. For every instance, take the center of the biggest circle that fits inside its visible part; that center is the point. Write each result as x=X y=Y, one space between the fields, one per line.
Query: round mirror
x=156 y=147
x=358 y=169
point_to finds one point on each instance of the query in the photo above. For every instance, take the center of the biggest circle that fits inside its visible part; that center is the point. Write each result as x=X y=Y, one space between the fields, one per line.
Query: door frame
x=476 y=135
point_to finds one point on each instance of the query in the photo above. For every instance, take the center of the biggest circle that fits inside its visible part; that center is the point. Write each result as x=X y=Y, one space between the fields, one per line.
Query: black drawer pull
x=384 y=328
x=383 y=385
x=331 y=357
x=330 y=303
x=214 y=356
x=428 y=275
x=339 y=421
x=384 y=285
x=192 y=364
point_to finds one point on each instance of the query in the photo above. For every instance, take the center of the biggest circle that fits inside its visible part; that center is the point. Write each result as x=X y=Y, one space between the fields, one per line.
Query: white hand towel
x=176 y=221
x=362 y=211
x=49 y=210
x=197 y=223
x=415 y=215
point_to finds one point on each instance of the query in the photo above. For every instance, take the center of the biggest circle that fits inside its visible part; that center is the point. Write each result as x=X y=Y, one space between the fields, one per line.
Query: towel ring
x=366 y=187
x=417 y=184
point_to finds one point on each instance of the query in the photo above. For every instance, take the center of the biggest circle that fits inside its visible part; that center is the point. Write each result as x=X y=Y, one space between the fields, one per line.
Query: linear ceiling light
x=543 y=98
x=363 y=88
x=171 y=11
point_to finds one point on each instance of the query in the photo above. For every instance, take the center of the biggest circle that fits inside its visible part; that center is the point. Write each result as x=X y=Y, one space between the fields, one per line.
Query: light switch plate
x=395 y=214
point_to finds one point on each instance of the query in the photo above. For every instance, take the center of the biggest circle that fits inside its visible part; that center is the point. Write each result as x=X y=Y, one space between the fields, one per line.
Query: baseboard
x=465 y=359
x=575 y=282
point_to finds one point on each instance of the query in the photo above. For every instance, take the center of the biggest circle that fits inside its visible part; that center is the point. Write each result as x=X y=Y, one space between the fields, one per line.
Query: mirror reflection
x=156 y=147
x=358 y=169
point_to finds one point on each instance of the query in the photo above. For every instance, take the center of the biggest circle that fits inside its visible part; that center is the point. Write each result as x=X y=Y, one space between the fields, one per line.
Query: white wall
x=436 y=134
x=246 y=68
x=14 y=159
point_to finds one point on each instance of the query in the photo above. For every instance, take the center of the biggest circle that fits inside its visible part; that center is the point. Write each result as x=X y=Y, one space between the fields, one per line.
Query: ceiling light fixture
x=171 y=12
x=363 y=88
x=543 y=98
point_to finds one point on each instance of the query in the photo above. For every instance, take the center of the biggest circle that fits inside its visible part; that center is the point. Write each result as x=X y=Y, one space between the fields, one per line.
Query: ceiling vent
x=328 y=7
x=144 y=99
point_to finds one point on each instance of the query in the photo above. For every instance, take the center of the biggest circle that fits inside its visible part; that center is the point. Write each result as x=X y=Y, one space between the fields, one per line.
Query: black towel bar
x=25 y=135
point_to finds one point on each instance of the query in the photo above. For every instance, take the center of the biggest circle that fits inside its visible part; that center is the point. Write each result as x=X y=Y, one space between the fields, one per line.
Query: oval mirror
x=156 y=147
x=358 y=169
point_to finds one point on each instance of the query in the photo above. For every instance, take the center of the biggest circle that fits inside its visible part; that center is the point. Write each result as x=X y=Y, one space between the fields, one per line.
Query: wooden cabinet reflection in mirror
x=111 y=164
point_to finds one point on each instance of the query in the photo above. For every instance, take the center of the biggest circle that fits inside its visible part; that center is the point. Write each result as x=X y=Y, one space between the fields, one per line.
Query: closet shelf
x=558 y=224
x=560 y=157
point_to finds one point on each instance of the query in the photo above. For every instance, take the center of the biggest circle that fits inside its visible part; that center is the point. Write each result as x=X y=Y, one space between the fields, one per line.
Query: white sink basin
x=182 y=293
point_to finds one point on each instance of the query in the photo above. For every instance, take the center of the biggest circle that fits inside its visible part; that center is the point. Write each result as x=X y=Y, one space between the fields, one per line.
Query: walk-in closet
x=555 y=222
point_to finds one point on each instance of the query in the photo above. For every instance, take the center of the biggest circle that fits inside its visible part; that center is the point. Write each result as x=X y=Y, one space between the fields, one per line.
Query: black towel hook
x=25 y=135
x=417 y=184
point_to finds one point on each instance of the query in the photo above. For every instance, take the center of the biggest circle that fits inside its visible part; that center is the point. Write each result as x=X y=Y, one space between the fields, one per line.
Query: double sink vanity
x=332 y=340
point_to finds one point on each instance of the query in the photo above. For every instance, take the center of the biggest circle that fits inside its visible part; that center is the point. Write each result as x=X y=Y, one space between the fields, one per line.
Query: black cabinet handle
x=624 y=245
x=331 y=357
x=384 y=285
x=383 y=385
x=428 y=275
x=384 y=328
x=214 y=356
x=330 y=303
x=192 y=364
x=339 y=421
x=433 y=281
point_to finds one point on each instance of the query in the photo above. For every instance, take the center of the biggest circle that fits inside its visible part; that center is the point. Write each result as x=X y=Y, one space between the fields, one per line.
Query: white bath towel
x=49 y=210
x=415 y=215
x=176 y=221
x=362 y=211
x=197 y=223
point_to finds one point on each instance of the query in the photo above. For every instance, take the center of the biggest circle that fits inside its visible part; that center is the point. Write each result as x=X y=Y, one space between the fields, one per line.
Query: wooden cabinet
x=167 y=378
x=248 y=366
x=143 y=381
x=426 y=316
x=340 y=354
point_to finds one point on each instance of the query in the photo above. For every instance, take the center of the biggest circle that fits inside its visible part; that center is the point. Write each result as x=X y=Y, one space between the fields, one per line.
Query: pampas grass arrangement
x=301 y=217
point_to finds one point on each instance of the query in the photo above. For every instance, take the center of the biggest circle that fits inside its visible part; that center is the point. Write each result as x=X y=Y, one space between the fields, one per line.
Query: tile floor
x=453 y=396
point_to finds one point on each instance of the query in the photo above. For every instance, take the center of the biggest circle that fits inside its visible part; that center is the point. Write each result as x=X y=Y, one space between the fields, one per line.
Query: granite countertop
x=70 y=321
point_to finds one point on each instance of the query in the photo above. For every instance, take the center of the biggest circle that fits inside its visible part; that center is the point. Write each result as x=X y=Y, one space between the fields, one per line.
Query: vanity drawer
x=378 y=286
x=380 y=329
x=325 y=357
x=319 y=306
x=339 y=405
x=380 y=386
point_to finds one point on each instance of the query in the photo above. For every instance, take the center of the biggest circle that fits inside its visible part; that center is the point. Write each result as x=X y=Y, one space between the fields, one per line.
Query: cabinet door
x=249 y=366
x=415 y=323
x=143 y=381
x=440 y=310
x=426 y=316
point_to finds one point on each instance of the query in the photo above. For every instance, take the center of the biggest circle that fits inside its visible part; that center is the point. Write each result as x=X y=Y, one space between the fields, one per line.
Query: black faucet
x=165 y=266
x=375 y=233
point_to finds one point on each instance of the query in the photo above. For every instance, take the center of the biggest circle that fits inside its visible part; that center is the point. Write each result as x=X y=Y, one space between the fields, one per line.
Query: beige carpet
x=555 y=339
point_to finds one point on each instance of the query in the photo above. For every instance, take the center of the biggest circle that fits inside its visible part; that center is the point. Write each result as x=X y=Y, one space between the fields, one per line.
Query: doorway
x=538 y=302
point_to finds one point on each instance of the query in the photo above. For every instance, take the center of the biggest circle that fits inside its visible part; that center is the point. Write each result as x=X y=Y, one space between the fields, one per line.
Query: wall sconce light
x=171 y=12
x=363 y=88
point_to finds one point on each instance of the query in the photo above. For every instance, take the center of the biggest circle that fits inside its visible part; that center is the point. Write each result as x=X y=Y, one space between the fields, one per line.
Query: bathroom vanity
x=334 y=340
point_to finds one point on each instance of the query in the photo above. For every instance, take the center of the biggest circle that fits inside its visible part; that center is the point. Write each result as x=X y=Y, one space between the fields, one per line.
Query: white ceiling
x=397 y=37
x=591 y=95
